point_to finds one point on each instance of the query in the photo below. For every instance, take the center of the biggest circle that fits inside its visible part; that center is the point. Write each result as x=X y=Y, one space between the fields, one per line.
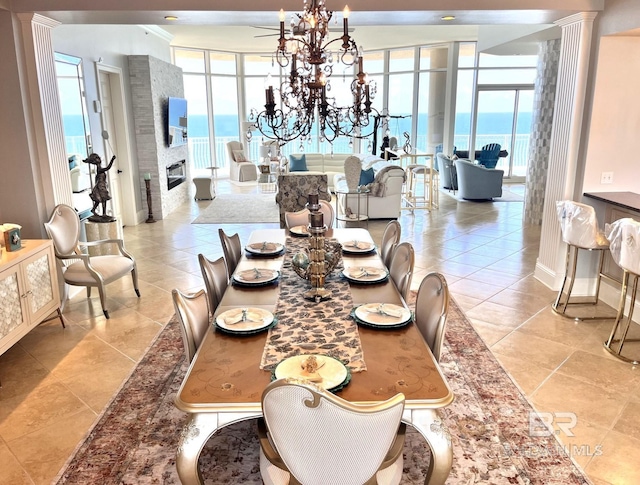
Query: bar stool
x=579 y=227
x=414 y=172
x=624 y=238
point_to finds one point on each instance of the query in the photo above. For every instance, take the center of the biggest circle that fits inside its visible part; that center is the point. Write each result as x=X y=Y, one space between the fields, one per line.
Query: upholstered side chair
x=192 y=310
x=78 y=267
x=215 y=278
x=313 y=437
x=432 y=305
x=401 y=268
x=390 y=239
x=232 y=250
x=301 y=217
x=241 y=169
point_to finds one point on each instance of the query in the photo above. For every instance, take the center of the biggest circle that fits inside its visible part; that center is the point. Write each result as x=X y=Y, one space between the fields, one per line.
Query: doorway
x=503 y=115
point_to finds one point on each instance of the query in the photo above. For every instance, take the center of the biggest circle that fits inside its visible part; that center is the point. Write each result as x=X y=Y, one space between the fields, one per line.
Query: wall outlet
x=606 y=178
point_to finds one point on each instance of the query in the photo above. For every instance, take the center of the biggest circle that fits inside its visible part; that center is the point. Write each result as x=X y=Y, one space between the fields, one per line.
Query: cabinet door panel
x=12 y=310
x=39 y=286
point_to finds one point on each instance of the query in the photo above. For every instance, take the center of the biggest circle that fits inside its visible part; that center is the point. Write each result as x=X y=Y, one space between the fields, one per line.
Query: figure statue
x=100 y=193
x=407 y=143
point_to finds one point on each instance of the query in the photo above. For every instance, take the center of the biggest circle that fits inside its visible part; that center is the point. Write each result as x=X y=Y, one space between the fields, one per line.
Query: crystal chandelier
x=305 y=97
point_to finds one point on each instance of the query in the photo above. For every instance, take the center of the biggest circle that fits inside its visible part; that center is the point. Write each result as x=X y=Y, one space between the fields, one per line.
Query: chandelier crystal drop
x=308 y=58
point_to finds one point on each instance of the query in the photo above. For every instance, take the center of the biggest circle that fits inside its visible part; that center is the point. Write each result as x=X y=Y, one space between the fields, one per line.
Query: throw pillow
x=72 y=162
x=298 y=163
x=238 y=156
x=367 y=176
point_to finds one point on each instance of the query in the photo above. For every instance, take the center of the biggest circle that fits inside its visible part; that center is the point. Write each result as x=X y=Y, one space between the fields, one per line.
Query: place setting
x=324 y=371
x=245 y=321
x=300 y=231
x=255 y=277
x=358 y=247
x=382 y=315
x=264 y=248
x=365 y=274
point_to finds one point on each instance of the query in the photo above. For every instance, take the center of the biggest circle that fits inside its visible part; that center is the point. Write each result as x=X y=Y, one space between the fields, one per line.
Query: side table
x=205 y=186
x=267 y=180
x=362 y=212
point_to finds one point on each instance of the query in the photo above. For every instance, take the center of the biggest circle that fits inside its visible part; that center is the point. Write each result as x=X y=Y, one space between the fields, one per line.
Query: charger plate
x=375 y=315
x=358 y=247
x=256 y=320
x=255 y=277
x=299 y=231
x=335 y=375
x=265 y=248
x=365 y=274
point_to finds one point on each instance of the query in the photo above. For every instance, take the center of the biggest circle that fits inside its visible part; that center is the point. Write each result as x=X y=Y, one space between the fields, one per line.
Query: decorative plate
x=245 y=321
x=382 y=315
x=358 y=247
x=365 y=274
x=299 y=230
x=331 y=374
x=255 y=277
x=264 y=248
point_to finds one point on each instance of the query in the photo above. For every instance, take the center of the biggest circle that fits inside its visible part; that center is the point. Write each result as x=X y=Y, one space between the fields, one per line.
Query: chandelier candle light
x=305 y=94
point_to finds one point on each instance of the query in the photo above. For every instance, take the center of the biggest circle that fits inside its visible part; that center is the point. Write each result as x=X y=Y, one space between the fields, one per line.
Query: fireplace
x=176 y=174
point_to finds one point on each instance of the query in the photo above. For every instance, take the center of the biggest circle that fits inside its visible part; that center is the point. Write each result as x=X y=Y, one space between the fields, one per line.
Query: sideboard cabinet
x=28 y=289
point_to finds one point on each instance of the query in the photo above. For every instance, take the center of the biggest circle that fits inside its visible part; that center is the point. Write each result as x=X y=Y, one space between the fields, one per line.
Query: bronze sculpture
x=100 y=192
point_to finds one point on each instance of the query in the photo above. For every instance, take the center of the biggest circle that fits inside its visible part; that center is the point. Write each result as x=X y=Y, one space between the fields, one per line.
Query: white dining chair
x=232 y=250
x=401 y=268
x=301 y=217
x=432 y=306
x=192 y=310
x=319 y=438
x=390 y=239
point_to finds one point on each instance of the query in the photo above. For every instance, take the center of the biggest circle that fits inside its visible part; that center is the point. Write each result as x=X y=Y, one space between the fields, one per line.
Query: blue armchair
x=489 y=155
x=476 y=182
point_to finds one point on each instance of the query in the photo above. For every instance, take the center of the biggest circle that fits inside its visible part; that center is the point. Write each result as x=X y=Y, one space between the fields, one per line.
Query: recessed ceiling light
x=448 y=17
x=170 y=17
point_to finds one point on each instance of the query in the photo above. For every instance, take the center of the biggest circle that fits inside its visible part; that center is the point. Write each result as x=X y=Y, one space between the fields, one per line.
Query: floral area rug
x=135 y=440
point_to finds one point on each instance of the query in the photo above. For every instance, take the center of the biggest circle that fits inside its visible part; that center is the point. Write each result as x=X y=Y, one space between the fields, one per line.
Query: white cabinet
x=28 y=289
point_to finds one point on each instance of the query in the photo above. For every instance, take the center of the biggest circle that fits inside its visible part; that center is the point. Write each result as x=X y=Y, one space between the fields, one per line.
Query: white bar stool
x=579 y=227
x=624 y=238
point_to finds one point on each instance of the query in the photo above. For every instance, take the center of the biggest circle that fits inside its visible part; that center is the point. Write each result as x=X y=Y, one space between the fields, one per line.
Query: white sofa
x=385 y=197
x=331 y=165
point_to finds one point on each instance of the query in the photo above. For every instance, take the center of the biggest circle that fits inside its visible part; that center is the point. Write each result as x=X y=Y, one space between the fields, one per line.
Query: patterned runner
x=307 y=327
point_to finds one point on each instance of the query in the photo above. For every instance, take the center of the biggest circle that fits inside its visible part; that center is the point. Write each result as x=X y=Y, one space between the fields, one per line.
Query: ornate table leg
x=429 y=424
x=193 y=438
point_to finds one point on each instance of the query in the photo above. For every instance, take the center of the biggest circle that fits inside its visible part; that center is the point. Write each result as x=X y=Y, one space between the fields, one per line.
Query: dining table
x=226 y=378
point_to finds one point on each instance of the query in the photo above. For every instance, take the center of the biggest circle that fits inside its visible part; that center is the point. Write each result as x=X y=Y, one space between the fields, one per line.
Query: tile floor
x=56 y=382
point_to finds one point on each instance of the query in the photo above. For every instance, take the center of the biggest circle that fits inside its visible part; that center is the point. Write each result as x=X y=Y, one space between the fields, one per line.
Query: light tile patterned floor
x=55 y=382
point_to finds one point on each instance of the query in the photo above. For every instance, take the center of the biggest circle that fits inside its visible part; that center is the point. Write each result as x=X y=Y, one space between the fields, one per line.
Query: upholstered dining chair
x=432 y=305
x=78 y=267
x=192 y=310
x=390 y=239
x=301 y=217
x=323 y=439
x=401 y=268
x=215 y=278
x=232 y=250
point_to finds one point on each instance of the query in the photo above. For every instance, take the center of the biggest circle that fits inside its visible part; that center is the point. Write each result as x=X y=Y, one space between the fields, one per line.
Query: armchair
x=84 y=270
x=294 y=189
x=475 y=182
x=240 y=168
x=448 y=174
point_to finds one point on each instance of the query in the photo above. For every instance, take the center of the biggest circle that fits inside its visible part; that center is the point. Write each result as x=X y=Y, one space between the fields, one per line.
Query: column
x=566 y=138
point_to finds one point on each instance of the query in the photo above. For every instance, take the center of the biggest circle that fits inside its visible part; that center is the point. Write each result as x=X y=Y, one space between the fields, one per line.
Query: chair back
x=352 y=170
x=432 y=305
x=624 y=236
x=489 y=155
x=401 y=268
x=323 y=439
x=215 y=278
x=233 y=146
x=192 y=311
x=390 y=239
x=579 y=225
x=301 y=217
x=63 y=229
x=232 y=250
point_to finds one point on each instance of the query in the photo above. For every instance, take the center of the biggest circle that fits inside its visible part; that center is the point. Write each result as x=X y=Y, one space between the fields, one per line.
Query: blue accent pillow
x=72 y=162
x=298 y=163
x=367 y=176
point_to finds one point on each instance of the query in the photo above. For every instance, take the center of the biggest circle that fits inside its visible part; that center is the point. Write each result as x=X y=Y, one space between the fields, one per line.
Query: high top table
x=430 y=190
x=224 y=383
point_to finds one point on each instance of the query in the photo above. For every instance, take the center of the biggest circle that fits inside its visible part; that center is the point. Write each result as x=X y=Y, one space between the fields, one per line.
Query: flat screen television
x=176 y=122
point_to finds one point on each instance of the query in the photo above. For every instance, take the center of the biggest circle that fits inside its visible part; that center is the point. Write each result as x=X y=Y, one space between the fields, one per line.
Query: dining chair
x=215 y=278
x=78 y=267
x=580 y=231
x=232 y=249
x=390 y=239
x=432 y=305
x=192 y=310
x=319 y=438
x=301 y=217
x=401 y=268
